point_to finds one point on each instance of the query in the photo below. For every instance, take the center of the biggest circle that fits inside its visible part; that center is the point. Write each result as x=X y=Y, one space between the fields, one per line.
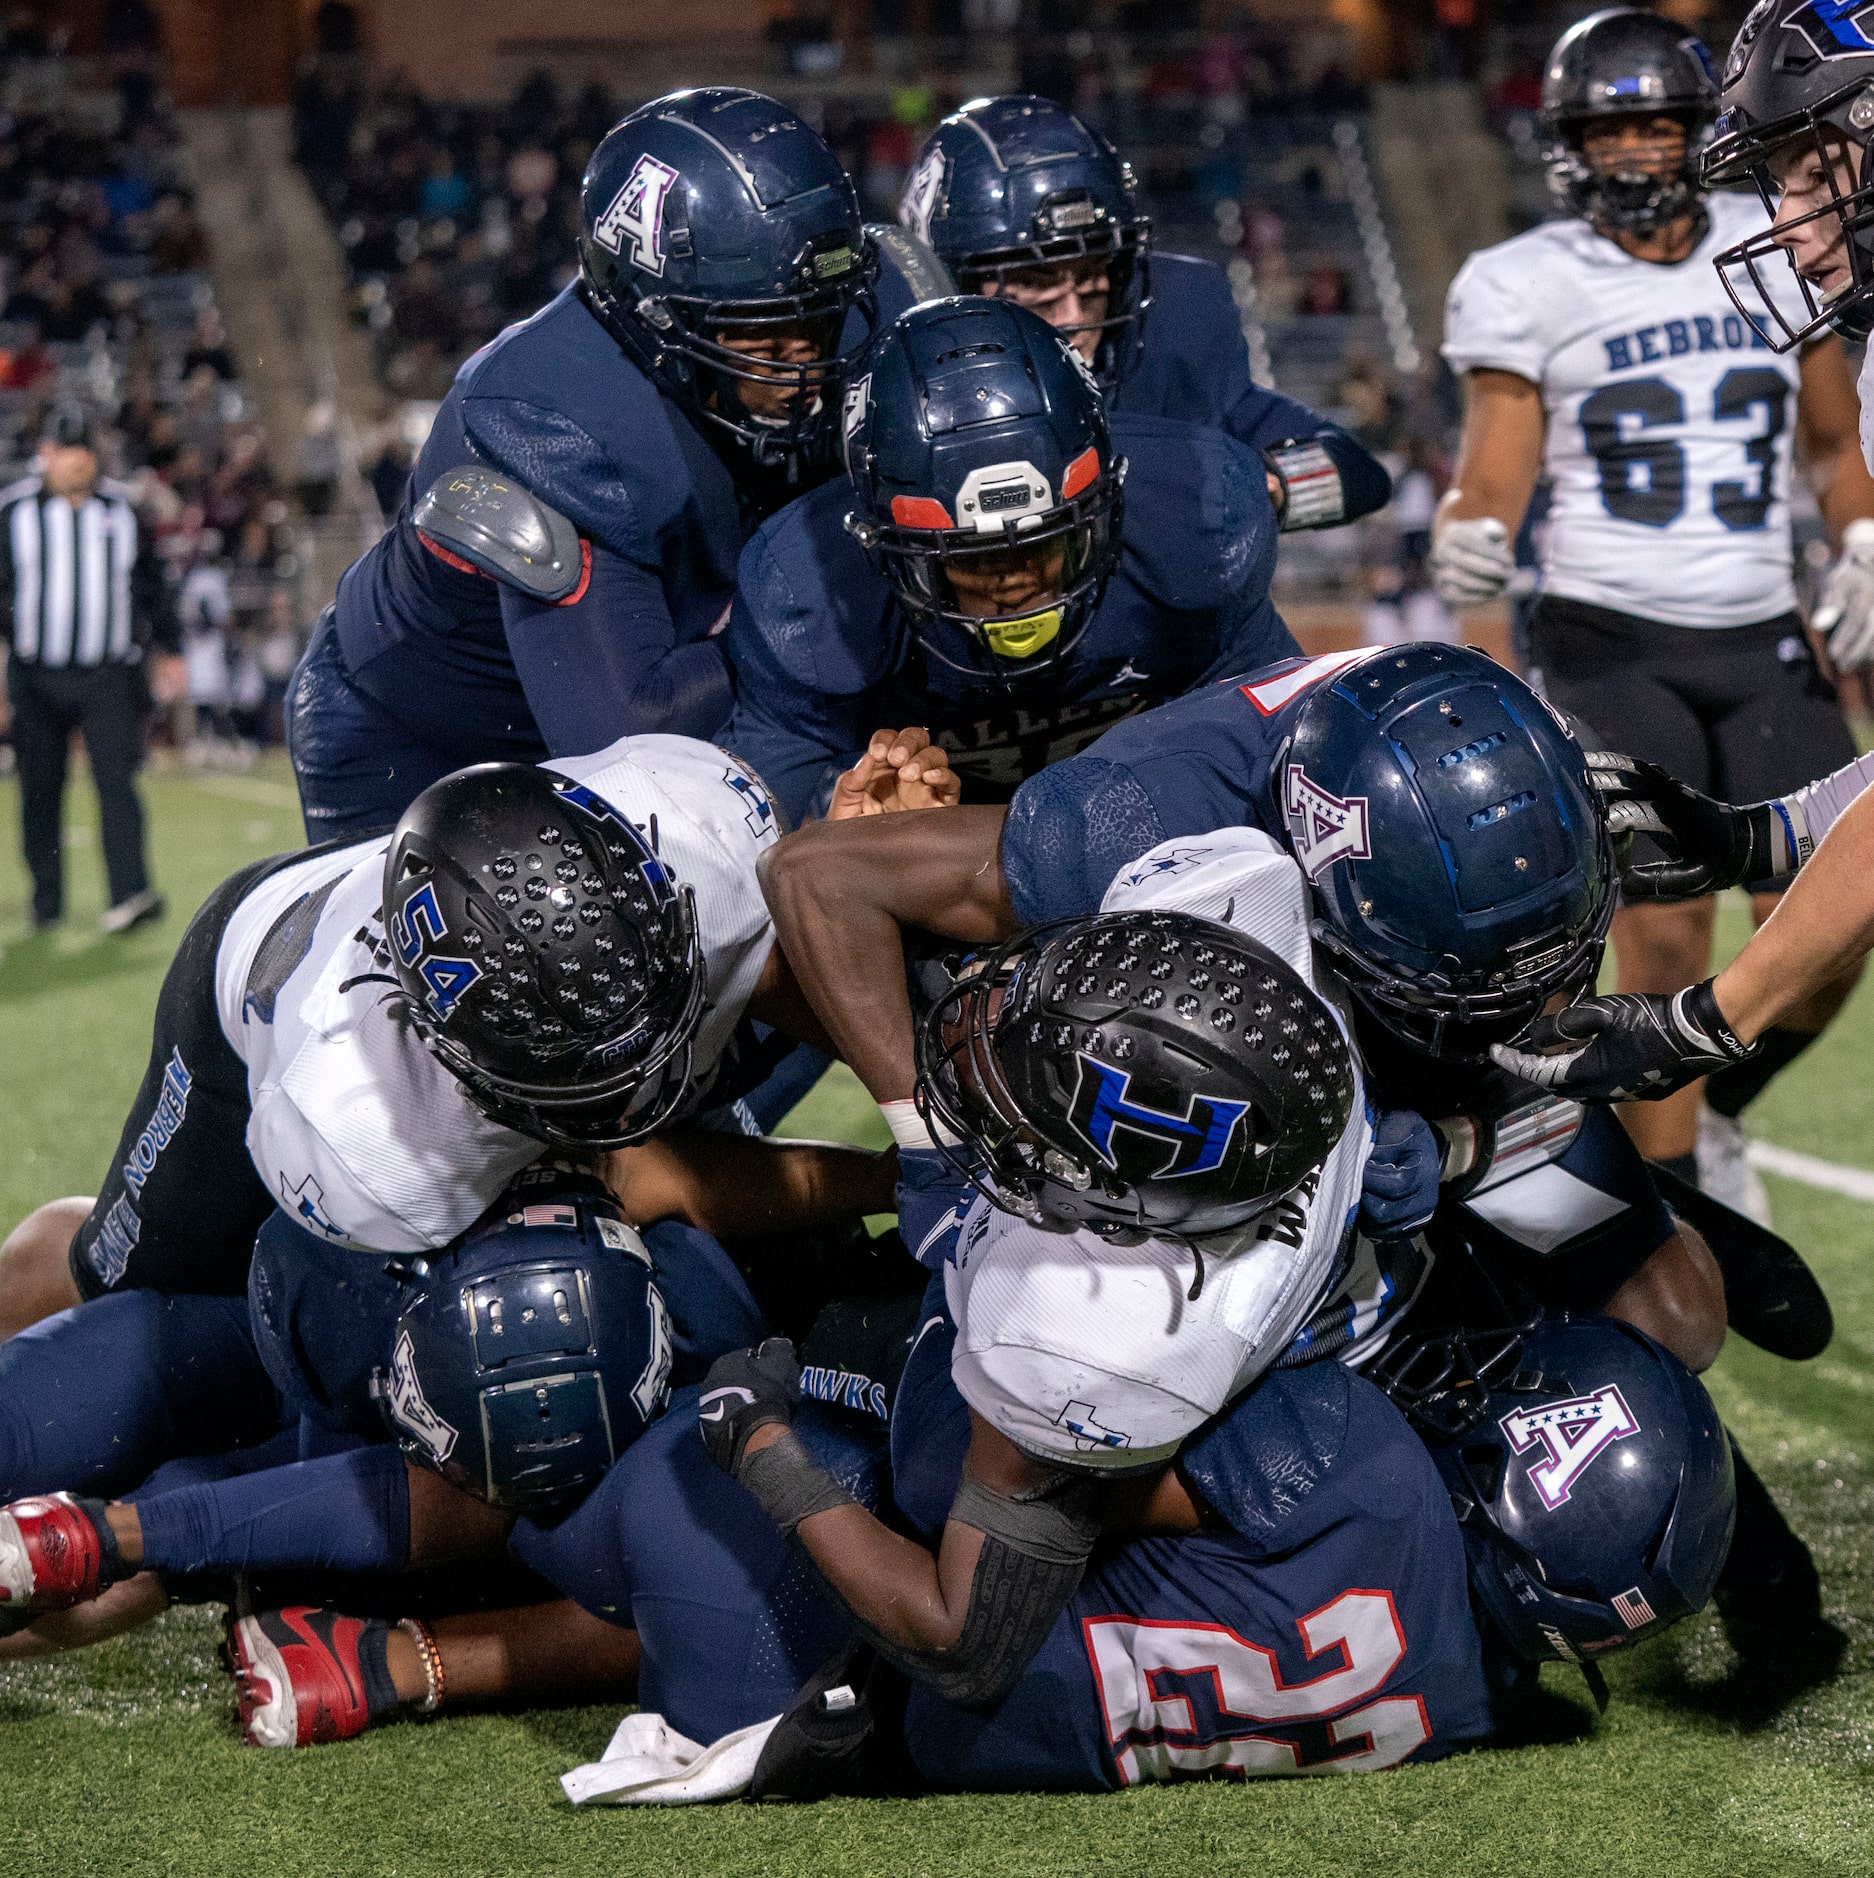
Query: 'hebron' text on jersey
x=1669 y=423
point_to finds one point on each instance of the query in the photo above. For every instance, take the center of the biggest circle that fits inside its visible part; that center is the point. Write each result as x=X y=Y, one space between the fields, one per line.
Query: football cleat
x=52 y=1554
x=304 y=1676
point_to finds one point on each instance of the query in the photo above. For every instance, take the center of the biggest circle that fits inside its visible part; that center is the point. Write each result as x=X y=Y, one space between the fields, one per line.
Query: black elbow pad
x=1034 y=1553
x=503 y=530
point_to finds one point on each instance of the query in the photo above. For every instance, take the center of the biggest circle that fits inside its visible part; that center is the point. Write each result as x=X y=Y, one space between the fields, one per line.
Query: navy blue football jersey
x=478 y=670
x=1319 y=1621
x=1194 y=366
x=823 y=657
x=1583 y=1214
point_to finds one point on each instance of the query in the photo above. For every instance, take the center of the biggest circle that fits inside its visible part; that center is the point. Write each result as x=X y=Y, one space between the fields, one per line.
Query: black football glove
x=743 y=1391
x=1715 y=844
x=1633 y=1045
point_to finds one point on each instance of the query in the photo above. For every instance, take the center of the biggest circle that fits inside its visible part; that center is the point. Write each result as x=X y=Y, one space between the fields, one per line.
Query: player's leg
x=1782 y=724
x=35 y=1273
x=357 y=768
x=178 y=1209
x=95 y=1397
x=42 y=731
x=1617 y=676
x=732 y=1618
x=305 y=1675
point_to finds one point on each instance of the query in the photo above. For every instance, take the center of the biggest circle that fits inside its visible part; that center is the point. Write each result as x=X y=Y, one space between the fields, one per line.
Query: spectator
x=1327 y=291
x=178 y=245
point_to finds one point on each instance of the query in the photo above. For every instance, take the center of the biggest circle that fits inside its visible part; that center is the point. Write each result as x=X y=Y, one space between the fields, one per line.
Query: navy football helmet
x=1143 y=1072
x=1589 y=1471
x=1800 y=72
x=545 y=955
x=989 y=494
x=533 y=1351
x=716 y=220
x=1010 y=190
x=1625 y=62
x=1460 y=858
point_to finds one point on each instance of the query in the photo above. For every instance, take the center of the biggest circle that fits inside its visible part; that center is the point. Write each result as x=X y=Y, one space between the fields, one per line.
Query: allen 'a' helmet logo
x=1571 y=1435
x=1324 y=827
x=1141 y=1143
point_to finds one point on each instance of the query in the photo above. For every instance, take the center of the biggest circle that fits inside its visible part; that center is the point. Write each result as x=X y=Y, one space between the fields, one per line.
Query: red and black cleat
x=52 y=1553
x=304 y=1675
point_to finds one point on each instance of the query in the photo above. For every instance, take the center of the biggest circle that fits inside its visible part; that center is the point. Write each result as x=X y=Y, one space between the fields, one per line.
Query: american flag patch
x=1634 y=1610
x=564 y=1216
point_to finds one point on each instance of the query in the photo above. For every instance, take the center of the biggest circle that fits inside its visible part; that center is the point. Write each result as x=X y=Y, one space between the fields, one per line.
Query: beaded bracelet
x=435 y=1683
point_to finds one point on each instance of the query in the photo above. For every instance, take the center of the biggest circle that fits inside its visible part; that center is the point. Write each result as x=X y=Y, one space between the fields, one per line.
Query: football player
x=1021 y=200
x=559 y=570
x=1000 y=568
x=1307 y=1518
x=1603 y=352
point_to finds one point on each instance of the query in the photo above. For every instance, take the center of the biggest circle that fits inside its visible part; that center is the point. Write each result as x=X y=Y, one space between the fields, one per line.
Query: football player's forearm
x=839 y=892
x=1824 y=926
x=894 y=1586
x=1500 y=455
x=736 y=1185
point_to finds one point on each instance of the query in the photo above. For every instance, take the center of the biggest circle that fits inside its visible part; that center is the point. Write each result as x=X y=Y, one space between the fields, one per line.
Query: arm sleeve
x=1069 y=831
x=796 y=742
x=1824 y=803
x=1264 y=418
x=607 y=664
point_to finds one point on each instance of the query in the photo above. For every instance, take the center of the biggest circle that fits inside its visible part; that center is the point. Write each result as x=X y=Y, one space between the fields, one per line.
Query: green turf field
x=125 y=1760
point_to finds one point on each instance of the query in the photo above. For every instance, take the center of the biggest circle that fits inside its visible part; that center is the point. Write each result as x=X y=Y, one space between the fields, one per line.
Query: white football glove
x=1845 y=615
x=1472 y=561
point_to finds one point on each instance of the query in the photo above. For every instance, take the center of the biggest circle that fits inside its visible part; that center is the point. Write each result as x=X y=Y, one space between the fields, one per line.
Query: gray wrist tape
x=1056 y=1525
x=789 y=1485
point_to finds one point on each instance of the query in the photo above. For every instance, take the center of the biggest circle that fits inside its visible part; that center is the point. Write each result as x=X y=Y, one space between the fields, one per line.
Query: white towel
x=647 y=1763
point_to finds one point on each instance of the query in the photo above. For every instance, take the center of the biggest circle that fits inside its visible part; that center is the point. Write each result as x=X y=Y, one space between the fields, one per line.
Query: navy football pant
x=357 y=768
x=95 y=1397
x=732 y=1617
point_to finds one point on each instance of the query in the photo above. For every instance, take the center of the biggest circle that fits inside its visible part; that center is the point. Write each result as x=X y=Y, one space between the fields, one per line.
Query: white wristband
x=908 y=1128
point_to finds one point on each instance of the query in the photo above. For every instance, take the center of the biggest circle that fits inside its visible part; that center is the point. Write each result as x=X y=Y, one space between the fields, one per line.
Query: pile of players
x=1259 y=1379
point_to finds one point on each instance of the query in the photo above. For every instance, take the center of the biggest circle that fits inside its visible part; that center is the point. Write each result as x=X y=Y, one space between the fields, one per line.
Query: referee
x=76 y=590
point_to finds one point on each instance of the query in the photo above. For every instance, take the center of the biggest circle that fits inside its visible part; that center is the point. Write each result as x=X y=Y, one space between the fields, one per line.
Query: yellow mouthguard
x=1023 y=638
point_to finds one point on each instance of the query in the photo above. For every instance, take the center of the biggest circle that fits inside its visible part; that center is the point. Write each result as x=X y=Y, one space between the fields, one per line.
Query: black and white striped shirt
x=68 y=574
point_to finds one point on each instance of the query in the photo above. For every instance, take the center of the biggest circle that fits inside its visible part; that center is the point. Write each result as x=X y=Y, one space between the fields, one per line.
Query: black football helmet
x=546 y=956
x=1009 y=185
x=718 y=214
x=1625 y=62
x=1148 y=1072
x=1461 y=865
x=1588 y=1470
x=1800 y=73
x=534 y=1350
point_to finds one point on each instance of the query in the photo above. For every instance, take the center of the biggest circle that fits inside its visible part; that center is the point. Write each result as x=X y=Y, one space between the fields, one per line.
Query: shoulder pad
x=497 y=526
x=915 y=262
x=1198 y=526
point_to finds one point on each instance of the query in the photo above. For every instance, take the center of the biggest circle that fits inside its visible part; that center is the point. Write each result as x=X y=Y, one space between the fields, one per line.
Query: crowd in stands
x=105 y=299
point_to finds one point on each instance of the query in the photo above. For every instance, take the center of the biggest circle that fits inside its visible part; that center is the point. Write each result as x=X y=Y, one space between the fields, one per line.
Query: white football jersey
x=1093 y=1353
x=356 y=1129
x=1669 y=421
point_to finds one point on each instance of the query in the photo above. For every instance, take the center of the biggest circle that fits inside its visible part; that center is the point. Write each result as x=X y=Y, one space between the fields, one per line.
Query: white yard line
x=1856 y=1182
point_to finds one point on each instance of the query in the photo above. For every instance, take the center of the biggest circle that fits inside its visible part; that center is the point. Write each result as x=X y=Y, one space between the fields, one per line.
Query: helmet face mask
x=989 y=497
x=721 y=236
x=546 y=957
x=1619 y=67
x=1017 y=195
x=1150 y=1074
x=1797 y=121
x=1008 y=605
